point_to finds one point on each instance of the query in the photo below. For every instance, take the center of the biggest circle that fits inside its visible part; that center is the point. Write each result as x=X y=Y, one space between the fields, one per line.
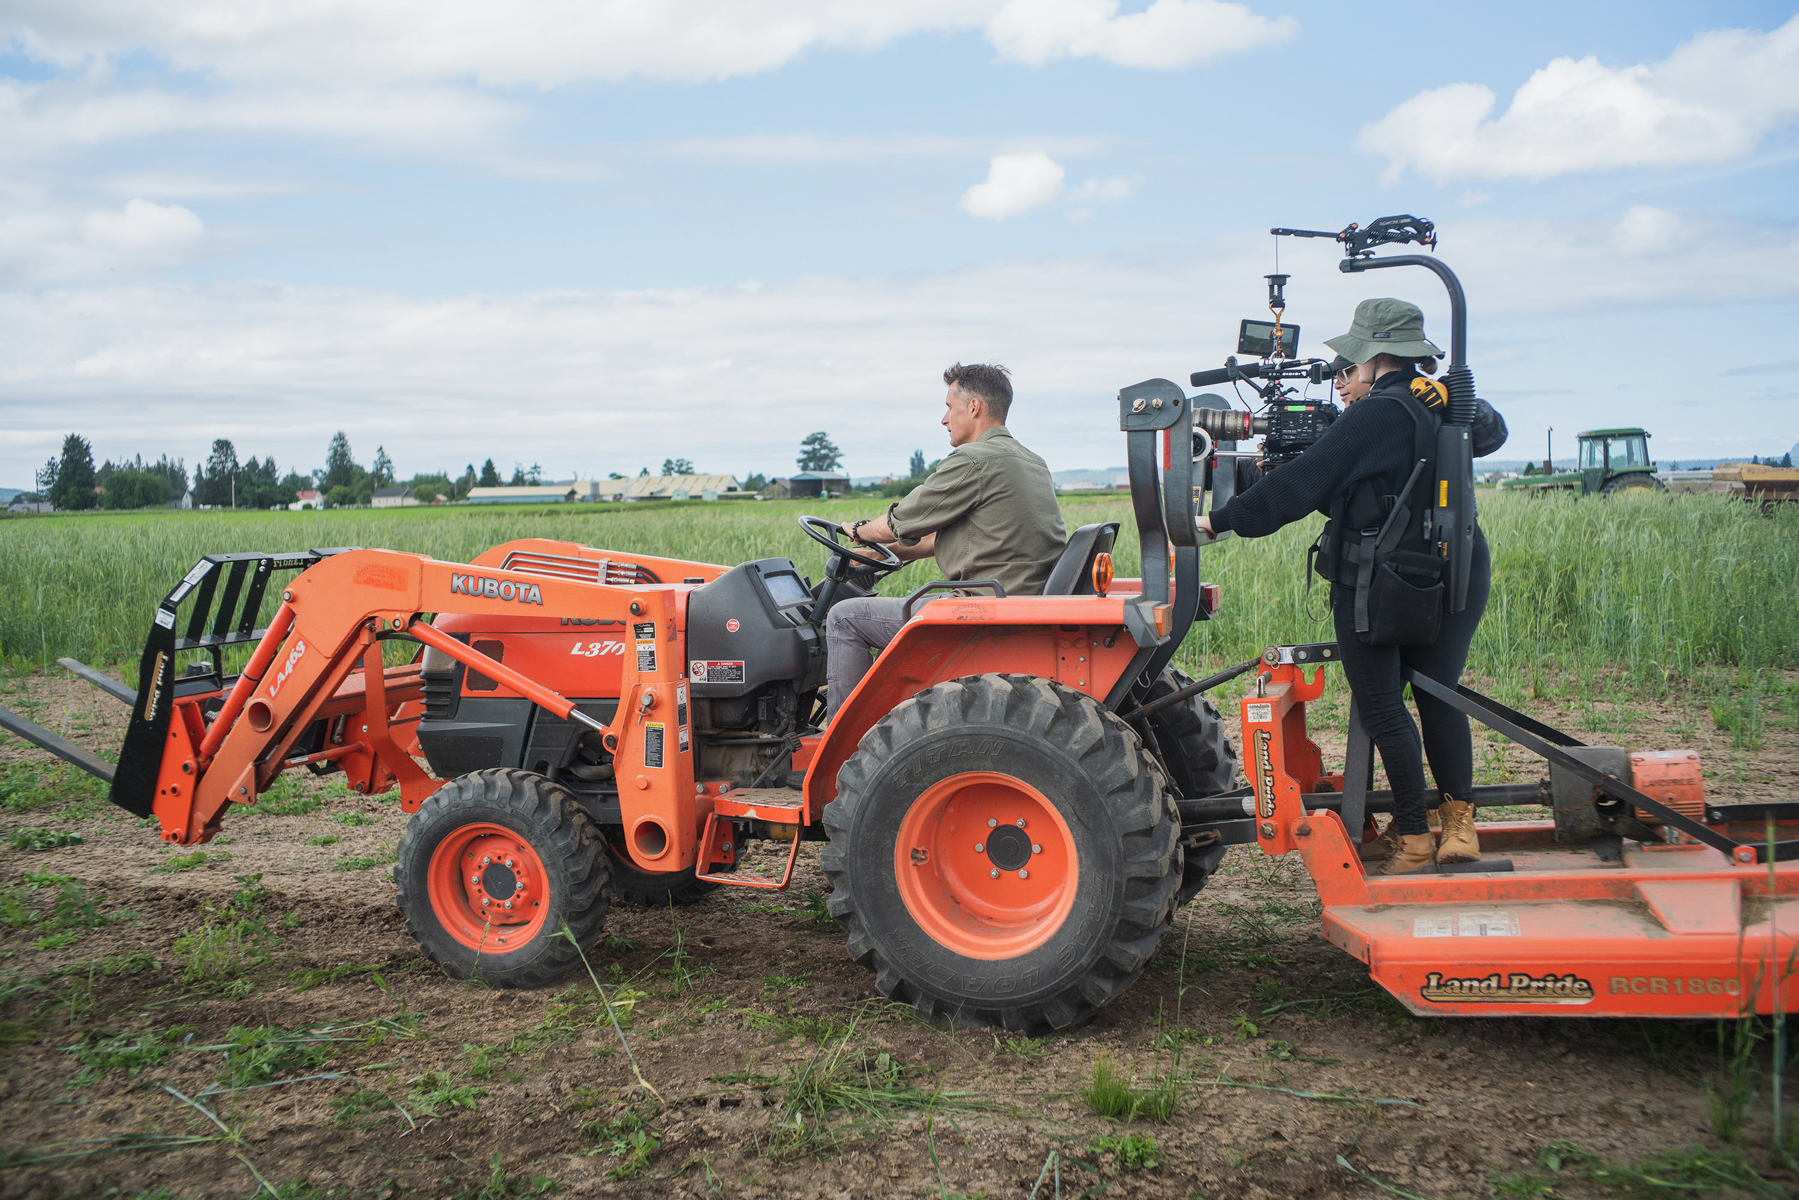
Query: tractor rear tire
x=1196 y=748
x=492 y=868
x=631 y=884
x=1635 y=481
x=1002 y=849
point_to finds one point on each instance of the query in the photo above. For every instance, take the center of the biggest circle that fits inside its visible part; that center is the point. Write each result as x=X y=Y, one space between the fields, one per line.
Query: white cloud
x=610 y=381
x=1169 y=34
x=1714 y=99
x=1015 y=184
x=549 y=43
x=45 y=244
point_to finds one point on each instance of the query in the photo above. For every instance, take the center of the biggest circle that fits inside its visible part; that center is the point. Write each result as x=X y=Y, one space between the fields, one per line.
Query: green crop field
x=1659 y=589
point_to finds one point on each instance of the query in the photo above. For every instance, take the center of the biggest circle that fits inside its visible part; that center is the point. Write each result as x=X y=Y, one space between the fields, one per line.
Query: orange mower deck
x=1541 y=926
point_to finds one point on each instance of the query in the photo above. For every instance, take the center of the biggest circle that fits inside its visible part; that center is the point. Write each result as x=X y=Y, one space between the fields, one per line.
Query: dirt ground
x=330 y=1060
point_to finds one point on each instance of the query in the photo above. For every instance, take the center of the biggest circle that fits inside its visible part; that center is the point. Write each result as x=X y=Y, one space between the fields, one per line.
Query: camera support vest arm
x=1452 y=499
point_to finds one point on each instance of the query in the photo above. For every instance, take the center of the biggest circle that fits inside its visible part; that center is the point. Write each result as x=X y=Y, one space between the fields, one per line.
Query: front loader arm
x=321 y=657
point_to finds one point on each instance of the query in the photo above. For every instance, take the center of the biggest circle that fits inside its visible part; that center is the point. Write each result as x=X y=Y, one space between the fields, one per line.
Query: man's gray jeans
x=853 y=628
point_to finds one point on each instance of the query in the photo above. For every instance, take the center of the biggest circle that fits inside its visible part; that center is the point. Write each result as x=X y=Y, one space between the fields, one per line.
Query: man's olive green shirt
x=993 y=507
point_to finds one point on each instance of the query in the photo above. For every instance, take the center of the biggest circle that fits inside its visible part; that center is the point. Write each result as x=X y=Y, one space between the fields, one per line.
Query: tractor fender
x=1080 y=642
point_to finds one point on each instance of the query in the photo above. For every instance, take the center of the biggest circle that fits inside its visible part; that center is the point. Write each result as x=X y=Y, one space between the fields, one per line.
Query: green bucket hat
x=1384 y=326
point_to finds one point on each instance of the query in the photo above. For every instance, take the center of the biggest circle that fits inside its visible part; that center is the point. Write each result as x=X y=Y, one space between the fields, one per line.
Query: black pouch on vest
x=1405 y=601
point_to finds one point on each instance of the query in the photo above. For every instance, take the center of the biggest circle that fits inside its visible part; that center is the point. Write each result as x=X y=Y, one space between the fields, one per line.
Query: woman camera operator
x=1357 y=474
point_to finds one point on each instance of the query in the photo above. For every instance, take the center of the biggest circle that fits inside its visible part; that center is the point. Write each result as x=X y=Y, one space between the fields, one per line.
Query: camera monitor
x=1257 y=338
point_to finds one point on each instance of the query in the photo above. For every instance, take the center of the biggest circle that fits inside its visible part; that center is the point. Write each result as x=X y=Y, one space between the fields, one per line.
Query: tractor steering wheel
x=825 y=534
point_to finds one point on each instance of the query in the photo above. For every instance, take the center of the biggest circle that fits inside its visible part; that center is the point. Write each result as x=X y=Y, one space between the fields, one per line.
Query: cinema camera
x=1286 y=422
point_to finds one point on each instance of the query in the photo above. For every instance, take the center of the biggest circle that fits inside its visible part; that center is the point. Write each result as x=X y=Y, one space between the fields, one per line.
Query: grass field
x=1660 y=589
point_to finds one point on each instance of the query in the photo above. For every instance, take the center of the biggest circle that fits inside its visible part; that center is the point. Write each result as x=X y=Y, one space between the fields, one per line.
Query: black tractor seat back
x=1073 y=572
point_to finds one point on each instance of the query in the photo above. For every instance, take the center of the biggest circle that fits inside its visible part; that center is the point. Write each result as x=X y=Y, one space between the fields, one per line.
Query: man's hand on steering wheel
x=863 y=554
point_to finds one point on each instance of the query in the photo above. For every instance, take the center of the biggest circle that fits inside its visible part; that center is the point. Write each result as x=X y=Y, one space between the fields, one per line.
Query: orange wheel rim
x=986 y=865
x=488 y=888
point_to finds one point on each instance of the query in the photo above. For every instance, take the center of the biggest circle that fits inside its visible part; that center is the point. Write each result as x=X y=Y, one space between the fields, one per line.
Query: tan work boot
x=1383 y=847
x=1460 y=843
x=1416 y=851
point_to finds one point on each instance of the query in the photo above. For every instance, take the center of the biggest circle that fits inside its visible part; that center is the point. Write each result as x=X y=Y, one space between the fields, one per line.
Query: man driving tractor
x=987 y=512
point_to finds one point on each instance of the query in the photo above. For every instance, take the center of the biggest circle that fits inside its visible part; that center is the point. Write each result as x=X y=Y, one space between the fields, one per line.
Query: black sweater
x=1371 y=440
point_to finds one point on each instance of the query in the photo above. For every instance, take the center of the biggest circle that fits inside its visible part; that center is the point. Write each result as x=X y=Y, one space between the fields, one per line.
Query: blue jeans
x=853 y=629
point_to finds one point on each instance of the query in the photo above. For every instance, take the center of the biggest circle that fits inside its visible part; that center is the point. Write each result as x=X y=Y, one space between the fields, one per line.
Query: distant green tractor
x=1611 y=460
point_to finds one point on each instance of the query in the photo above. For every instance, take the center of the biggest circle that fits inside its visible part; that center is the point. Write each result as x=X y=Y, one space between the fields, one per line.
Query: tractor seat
x=1073 y=573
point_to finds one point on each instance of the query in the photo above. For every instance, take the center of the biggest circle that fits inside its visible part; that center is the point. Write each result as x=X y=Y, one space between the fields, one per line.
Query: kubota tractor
x=999 y=808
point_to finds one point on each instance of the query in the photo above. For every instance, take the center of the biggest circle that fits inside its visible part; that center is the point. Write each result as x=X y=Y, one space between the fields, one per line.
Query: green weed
x=436 y=1090
x=311 y=977
x=819 y=912
x=358 y=1110
x=1107 y=1093
x=626 y=1138
x=42 y=839
x=325 y=839
x=285 y=799
x=27 y=786
x=501 y=1186
x=1132 y=1151
x=353 y=818
x=1732 y=1087
x=364 y=863
x=55 y=904
x=221 y=954
x=1669 y=1173
x=131 y=1052
x=265 y=1053
x=187 y=862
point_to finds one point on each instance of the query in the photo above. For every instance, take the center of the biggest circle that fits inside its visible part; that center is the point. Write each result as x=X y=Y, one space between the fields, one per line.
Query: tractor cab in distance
x=1611 y=460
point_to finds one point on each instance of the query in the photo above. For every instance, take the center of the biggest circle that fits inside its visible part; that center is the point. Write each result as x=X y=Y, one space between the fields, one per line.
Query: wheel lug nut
x=509 y=861
x=1021 y=875
x=993 y=874
x=518 y=887
x=1035 y=849
x=509 y=903
x=979 y=847
x=1021 y=822
x=485 y=861
x=485 y=901
x=991 y=823
x=474 y=879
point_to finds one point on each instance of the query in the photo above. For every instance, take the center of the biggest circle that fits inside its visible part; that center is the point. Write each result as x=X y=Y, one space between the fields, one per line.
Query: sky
x=594 y=235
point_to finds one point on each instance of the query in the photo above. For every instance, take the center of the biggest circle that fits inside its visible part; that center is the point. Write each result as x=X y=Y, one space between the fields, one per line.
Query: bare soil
x=1290 y=1058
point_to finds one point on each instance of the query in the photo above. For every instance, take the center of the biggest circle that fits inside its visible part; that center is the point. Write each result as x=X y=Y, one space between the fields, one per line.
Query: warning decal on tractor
x=1491 y=923
x=645 y=634
x=652 y=743
x=708 y=671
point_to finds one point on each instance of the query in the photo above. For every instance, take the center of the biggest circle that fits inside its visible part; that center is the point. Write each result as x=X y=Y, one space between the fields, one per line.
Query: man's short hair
x=991 y=382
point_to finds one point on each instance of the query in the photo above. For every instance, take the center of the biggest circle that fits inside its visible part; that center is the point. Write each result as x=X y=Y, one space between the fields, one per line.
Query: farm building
x=303 y=500
x=546 y=493
x=394 y=497
x=805 y=484
x=669 y=487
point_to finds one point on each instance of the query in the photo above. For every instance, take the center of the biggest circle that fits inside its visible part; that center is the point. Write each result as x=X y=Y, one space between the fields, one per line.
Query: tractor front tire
x=632 y=884
x=493 y=868
x=1002 y=849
